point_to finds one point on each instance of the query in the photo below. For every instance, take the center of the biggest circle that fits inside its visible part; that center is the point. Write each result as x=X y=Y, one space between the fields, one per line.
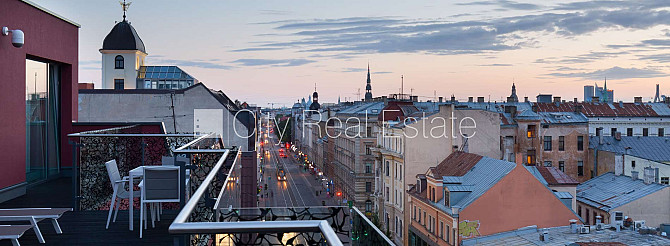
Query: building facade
x=38 y=94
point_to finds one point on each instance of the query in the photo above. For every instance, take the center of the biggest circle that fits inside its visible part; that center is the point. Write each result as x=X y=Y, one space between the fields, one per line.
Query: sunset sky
x=274 y=51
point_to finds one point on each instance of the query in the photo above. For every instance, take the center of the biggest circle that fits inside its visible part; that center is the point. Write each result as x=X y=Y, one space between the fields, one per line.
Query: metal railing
x=128 y=145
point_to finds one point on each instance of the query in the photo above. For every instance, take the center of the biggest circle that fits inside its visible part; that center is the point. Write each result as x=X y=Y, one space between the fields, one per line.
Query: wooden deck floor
x=85 y=227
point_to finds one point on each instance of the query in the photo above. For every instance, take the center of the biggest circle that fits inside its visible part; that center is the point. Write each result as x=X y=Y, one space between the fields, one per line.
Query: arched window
x=118 y=62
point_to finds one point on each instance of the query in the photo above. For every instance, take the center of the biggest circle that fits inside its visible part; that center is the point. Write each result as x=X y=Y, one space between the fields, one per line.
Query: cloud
x=661 y=58
x=273 y=62
x=362 y=70
x=613 y=73
x=583 y=58
x=255 y=49
x=274 y=12
x=195 y=63
x=388 y=34
x=505 y=4
x=496 y=65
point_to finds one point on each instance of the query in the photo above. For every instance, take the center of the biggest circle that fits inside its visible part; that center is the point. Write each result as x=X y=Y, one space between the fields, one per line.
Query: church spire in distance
x=368 y=87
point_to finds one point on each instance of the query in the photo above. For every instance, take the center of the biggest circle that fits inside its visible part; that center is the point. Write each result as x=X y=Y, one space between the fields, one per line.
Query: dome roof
x=315 y=95
x=123 y=37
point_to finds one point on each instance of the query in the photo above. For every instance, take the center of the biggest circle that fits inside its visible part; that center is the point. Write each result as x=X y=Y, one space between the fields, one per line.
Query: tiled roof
x=457 y=164
x=609 y=191
x=601 y=109
x=650 y=148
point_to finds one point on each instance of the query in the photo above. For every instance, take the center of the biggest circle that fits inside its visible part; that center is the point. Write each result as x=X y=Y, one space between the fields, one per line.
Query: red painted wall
x=517 y=200
x=48 y=38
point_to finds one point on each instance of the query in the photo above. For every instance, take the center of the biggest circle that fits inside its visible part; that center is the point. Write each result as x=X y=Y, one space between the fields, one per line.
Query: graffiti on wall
x=468 y=229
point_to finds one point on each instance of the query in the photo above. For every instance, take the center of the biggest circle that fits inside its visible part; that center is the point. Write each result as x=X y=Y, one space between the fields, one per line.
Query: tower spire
x=125 y=7
x=368 y=87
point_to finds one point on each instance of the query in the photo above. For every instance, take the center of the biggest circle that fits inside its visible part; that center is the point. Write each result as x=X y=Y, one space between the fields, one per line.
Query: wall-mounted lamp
x=17 y=36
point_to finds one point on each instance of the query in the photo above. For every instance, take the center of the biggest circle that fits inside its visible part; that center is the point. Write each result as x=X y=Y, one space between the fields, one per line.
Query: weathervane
x=125 y=7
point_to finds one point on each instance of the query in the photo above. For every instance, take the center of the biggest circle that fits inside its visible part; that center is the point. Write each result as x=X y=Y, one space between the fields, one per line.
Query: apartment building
x=631 y=119
x=353 y=162
x=453 y=200
x=625 y=155
x=414 y=138
x=639 y=198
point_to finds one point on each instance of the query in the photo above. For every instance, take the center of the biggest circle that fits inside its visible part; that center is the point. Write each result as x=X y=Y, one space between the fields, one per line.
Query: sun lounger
x=13 y=232
x=34 y=215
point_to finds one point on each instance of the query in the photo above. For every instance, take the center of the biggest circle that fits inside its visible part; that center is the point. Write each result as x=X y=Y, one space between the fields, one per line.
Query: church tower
x=123 y=54
x=368 y=87
x=514 y=97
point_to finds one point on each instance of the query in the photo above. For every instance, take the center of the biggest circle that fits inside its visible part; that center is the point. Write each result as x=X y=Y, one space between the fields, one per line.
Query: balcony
x=210 y=215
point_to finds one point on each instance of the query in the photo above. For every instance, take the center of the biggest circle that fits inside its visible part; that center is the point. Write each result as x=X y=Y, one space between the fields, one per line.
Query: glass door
x=42 y=120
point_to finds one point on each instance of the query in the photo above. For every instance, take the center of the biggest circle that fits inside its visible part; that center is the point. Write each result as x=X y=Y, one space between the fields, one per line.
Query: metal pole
x=75 y=193
x=142 y=147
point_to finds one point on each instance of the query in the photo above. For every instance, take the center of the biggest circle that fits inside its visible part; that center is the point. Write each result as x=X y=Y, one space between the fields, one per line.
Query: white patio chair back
x=113 y=172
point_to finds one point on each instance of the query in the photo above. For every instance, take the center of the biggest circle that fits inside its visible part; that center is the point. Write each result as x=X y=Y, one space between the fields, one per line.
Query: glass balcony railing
x=210 y=212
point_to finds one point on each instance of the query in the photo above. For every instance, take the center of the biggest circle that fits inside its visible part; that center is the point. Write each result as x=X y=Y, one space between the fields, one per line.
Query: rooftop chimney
x=440 y=99
x=534 y=107
x=471 y=99
x=634 y=175
x=578 y=108
x=525 y=99
x=480 y=99
x=574 y=100
x=510 y=99
x=414 y=98
x=599 y=132
x=595 y=99
x=453 y=98
x=637 y=99
x=557 y=99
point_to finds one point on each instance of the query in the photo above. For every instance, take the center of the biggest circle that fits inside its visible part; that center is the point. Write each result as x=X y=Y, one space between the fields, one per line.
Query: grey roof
x=562 y=236
x=452 y=179
x=457 y=188
x=609 y=191
x=650 y=148
x=563 y=118
x=661 y=109
x=528 y=115
x=372 y=109
x=563 y=194
x=484 y=175
x=533 y=170
x=123 y=37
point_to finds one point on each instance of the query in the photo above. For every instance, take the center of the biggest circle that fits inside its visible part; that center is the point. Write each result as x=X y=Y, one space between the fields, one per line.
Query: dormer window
x=118 y=62
x=446 y=197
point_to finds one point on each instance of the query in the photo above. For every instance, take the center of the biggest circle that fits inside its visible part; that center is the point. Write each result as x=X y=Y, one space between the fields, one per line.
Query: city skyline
x=437 y=46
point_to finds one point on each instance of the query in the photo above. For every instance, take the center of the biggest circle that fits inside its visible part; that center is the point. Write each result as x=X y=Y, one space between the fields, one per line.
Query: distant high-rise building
x=588 y=93
x=368 y=87
x=602 y=93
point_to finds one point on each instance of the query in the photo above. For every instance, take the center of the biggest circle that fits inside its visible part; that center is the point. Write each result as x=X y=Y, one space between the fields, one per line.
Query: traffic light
x=339 y=193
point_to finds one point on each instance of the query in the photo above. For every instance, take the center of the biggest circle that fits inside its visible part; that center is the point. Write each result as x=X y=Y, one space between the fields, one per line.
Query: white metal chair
x=120 y=187
x=160 y=184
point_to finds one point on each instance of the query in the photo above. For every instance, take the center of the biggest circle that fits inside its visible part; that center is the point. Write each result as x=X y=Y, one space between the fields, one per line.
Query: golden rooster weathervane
x=125 y=7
